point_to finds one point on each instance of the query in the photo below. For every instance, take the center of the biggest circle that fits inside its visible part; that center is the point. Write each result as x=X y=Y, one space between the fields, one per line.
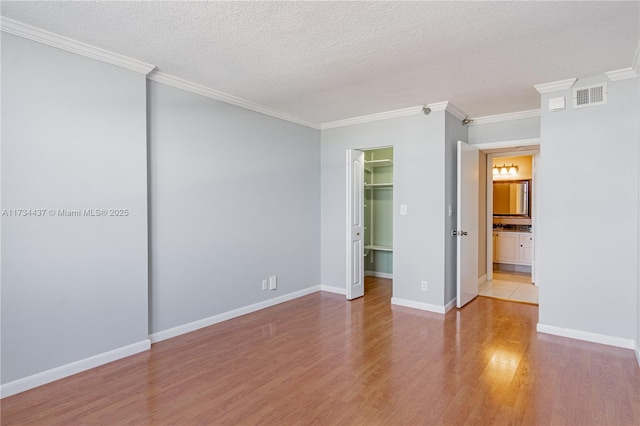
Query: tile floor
x=515 y=286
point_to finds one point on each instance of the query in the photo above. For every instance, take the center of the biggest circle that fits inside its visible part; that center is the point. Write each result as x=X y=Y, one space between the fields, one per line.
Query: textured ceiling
x=326 y=61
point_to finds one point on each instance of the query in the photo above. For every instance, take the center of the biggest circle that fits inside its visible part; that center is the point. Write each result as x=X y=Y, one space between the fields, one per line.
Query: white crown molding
x=520 y=115
x=623 y=74
x=372 y=117
x=438 y=106
x=45 y=37
x=451 y=108
x=555 y=86
x=457 y=112
x=198 y=89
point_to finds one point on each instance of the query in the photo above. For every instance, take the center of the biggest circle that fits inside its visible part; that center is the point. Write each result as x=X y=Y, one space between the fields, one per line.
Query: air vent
x=590 y=96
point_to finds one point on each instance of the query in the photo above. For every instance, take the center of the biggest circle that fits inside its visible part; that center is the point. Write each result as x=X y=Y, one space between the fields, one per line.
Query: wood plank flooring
x=323 y=360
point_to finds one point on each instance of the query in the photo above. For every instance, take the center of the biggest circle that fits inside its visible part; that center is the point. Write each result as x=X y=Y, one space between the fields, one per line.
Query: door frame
x=489 y=194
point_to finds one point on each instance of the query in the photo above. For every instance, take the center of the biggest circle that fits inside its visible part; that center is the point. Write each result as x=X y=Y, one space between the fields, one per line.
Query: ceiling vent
x=590 y=96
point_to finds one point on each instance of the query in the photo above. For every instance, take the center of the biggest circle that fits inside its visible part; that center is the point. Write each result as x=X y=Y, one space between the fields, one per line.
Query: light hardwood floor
x=323 y=360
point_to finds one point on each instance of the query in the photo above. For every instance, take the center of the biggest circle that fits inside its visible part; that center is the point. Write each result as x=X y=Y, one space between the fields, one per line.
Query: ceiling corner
x=555 y=86
x=456 y=112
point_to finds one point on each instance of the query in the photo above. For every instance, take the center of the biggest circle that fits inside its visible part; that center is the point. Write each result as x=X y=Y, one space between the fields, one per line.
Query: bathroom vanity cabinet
x=513 y=247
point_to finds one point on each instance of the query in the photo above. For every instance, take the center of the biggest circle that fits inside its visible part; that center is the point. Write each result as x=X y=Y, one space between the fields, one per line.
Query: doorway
x=378 y=213
x=511 y=213
x=370 y=217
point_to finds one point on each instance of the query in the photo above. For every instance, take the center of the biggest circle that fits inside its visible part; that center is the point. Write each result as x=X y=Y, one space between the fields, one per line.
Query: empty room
x=301 y=212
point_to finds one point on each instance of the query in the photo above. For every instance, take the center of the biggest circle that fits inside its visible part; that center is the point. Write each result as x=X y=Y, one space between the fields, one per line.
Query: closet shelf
x=378 y=247
x=379 y=163
x=378 y=185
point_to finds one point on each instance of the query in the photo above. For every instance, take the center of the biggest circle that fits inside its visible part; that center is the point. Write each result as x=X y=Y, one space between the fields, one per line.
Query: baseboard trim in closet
x=378 y=274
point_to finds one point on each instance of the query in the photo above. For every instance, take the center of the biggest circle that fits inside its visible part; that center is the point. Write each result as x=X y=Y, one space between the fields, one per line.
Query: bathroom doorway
x=510 y=203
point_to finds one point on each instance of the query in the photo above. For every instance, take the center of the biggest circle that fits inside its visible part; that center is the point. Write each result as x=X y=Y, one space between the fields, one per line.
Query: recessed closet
x=378 y=212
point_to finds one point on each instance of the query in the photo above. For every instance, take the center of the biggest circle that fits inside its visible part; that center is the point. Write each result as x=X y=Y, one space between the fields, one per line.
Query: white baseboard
x=449 y=306
x=637 y=351
x=418 y=305
x=70 y=369
x=378 y=274
x=603 y=339
x=482 y=279
x=206 y=322
x=331 y=289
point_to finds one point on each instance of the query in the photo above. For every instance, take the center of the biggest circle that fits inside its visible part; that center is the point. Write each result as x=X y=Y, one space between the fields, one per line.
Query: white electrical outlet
x=264 y=284
x=273 y=282
x=424 y=286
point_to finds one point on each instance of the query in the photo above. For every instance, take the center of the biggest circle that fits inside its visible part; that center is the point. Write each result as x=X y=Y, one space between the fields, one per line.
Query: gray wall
x=73 y=137
x=527 y=128
x=419 y=176
x=234 y=199
x=454 y=132
x=588 y=224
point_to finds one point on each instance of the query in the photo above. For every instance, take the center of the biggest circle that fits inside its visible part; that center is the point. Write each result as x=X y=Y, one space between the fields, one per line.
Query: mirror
x=511 y=198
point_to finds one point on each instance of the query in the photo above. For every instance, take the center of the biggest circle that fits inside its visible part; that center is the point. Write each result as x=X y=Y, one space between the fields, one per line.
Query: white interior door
x=355 y=224
x=467 y=225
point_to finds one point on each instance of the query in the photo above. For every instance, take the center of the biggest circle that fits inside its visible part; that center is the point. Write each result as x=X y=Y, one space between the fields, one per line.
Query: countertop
x=524 y=230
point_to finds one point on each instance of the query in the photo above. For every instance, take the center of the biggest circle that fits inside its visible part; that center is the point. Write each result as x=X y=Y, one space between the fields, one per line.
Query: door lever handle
x=463 y=233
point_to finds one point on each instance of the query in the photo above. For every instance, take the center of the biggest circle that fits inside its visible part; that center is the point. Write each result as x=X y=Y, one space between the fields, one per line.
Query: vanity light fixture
x=505 y=170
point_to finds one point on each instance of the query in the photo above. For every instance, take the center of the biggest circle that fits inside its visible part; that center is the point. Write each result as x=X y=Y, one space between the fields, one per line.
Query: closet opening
x=369 y=219
x=378 y=213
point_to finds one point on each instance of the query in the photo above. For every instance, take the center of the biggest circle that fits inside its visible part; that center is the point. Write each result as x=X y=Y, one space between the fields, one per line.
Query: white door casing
x=355 y=224
x=467 y=224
